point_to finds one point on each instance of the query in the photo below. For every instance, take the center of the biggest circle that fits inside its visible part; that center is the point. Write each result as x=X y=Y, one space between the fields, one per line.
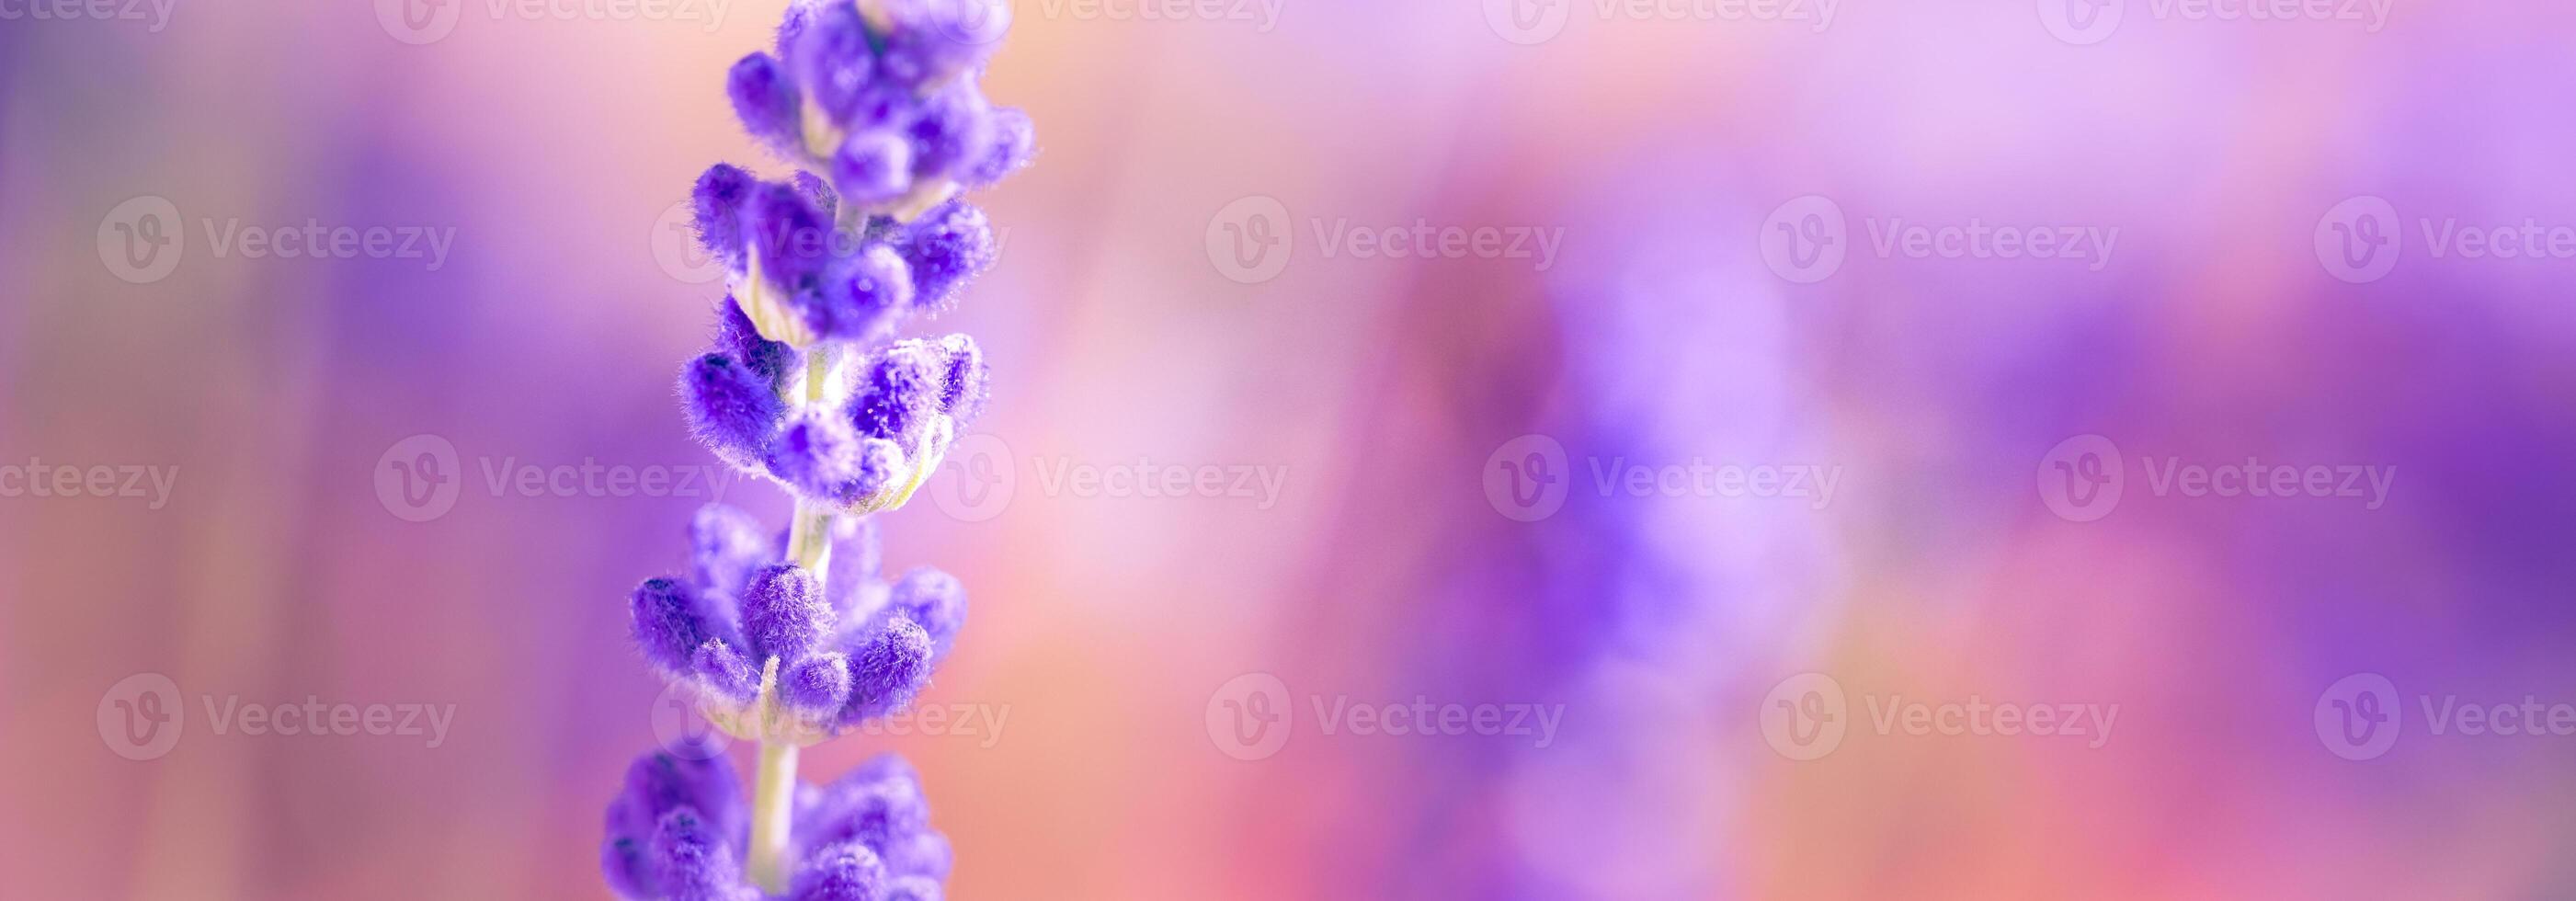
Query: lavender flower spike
x=792 y=639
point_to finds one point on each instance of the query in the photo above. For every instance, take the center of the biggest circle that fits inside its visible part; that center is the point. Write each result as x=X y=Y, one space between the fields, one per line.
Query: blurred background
x=1534 y=449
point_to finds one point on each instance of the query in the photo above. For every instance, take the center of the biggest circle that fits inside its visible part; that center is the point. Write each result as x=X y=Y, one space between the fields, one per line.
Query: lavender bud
x=766 y=101
x=817 y=454
x=968 y=383
x=717 y=202
x=896 y=389
x=924 y=853
x=946 y=247
x=784 y=615
x=887 y=668
x=722 y=669
x=732 y=409
x=951 y=132
x=843 y=872
x=818 y=685
x=936 y=601
x=738 y=338
x=789 y=237
x=691 y=861
x=1012 y=144
x=873 y=166
x=833 y=61
x=863 y=295
x=913 y=888
x=669 y=622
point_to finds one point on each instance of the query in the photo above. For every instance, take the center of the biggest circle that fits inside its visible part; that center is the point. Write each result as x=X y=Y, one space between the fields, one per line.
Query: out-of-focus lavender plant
x=790 y=640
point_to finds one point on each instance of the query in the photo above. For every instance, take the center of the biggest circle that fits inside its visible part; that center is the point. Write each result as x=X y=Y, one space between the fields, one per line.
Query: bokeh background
x=1112 y=630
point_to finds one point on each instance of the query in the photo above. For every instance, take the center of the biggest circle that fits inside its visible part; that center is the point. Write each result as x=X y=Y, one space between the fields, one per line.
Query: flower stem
x=773 y=800
x=773 y=804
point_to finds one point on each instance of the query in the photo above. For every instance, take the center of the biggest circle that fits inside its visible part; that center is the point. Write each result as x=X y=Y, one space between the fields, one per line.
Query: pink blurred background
x=1111 y=629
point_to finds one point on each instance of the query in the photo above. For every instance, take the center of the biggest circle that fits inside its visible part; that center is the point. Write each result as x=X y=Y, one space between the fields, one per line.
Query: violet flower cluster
x=791 y=637
x=676 y=828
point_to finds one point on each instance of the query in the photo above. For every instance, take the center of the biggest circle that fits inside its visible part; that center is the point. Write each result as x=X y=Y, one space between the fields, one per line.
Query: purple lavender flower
x=947 y=247
x=793 y=640
x=877 y=425
x=679 y=828
x=766 y=99
x=836 y=652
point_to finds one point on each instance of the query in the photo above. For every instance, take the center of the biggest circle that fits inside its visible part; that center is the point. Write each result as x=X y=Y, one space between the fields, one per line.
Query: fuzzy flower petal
x=783 y=614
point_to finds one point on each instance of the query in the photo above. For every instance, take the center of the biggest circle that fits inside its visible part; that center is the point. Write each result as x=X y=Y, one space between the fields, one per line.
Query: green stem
x=773 y=803
x=809 y=545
